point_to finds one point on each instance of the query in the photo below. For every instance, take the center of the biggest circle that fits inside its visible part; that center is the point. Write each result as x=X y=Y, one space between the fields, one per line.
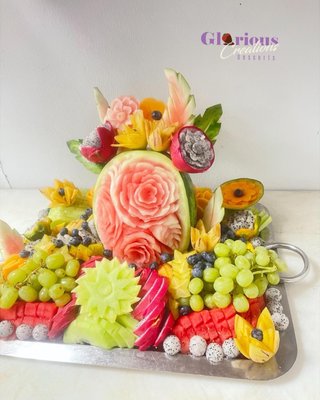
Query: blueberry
x=230 y=234
x=107 y=253
x=86 y=241
x=61 y=192
x=257 y=334
x=58 y=243
x=208 y=257
x=132 y=265
x=88 y=212
x=193 y=259
x=64 y=231
x=154 y=265
x=75 y=232
x=199 y=264
x=85 y=225
x=165 y=257
x=156 y=115
x=75 y=240
x=24 y=253
x=197 y=272
x=184 y=310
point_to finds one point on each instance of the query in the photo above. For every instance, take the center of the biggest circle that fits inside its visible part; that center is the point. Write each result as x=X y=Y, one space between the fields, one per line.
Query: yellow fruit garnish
x=134 y=136
x=201 y=240
x=150 y=105
x=64 y=193
x=258 y=351
x=203 y=195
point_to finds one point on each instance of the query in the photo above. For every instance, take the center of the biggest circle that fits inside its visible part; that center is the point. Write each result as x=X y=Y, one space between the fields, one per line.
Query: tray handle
x=295 y=249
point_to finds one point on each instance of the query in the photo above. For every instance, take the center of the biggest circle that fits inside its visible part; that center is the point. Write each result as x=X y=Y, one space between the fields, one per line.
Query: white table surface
x=296 y=219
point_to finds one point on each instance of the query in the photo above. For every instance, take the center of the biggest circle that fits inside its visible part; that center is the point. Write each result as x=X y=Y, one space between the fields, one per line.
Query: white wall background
x=54 y=51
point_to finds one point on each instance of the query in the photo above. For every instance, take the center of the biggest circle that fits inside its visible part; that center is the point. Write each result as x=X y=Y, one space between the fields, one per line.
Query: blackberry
x=75 y=232
x=24 y=253
x=156 y=115
x=75 y=241
x=64 y=231
x=86 y=241
x=184 y=310
x=107 y=253
x=85 y=225
x=58 y=243
x=165 y=257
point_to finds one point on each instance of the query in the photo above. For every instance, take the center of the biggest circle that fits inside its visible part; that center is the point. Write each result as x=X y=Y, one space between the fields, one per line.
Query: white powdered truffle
x=214 y=353
x=40 y=332
x=229 y=348
x=273 y=294
x=24 y=332
x=281 y=321
x=274 y=307
x=197 y=346
x=171 y=345
x=6 y=328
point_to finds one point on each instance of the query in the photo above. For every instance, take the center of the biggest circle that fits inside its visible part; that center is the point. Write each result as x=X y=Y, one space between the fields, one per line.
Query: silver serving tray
x=159 y=361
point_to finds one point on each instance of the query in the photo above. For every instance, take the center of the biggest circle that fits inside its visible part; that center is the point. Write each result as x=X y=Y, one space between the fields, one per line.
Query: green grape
x=39 y=256
x=250 y=256
x=239 y=247
x=55 y=261
x=72 y=268
x=219 y=262
x=44 y=295
x=34 y=282
x=251 y=291
x=221 y=300
x=229 y=243
x=223 y=285
x=229 y=271
x=69 y=283
x=47 y=278
x=281 y=265
x=221 y=250
x=16 y=276
x=273 y=255
x=209 y=301
x=195 y=285
x=273 y=278
x=210 y=274
x=60 y=272
x=63 y=300
x=28 y=294
x=8 y=297
x=244 y=277
x=261 y=250
x=208 y=287
x=56 y=291
x=262 y=284
x=262 y=259
x=242 y=262
x=240 y=303
x=29 y=266
x=183 y=301
x=196 y=302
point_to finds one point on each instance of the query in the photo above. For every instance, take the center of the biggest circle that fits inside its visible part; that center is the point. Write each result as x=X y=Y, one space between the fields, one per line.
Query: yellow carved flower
x=201 y=240
x=134 y=136
x=64 y=193
x=203 y=195
x=262 y=350
x=160 y=137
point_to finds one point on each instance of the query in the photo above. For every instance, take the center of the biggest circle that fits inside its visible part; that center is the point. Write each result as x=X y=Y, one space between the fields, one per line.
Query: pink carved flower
x=120 y=110
x=96 y=147
x=138 y=247
x=144 y=194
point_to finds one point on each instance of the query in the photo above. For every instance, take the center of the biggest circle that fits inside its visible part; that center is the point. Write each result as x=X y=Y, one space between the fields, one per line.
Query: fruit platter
x=145 y=270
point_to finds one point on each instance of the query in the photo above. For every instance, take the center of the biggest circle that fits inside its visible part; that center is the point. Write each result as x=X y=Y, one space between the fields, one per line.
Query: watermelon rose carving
x=141 y=208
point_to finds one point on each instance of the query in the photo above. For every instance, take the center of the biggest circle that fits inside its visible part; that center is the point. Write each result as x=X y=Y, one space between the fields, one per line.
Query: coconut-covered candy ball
x=281 y=321
x=273 y=294
x=171 y=345
x=6 y=328
x=197 y=346
x=229 y=349
x=24 y=332
x=214 y=353
x=274 y=307
x=40 y=332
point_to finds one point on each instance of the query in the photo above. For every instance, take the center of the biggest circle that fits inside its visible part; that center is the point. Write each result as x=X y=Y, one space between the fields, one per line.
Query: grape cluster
x=43 y=278
x=230 y=274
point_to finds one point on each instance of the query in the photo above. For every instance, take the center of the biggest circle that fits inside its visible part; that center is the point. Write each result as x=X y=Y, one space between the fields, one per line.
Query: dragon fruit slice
x=97 y=147
x=191 y=150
